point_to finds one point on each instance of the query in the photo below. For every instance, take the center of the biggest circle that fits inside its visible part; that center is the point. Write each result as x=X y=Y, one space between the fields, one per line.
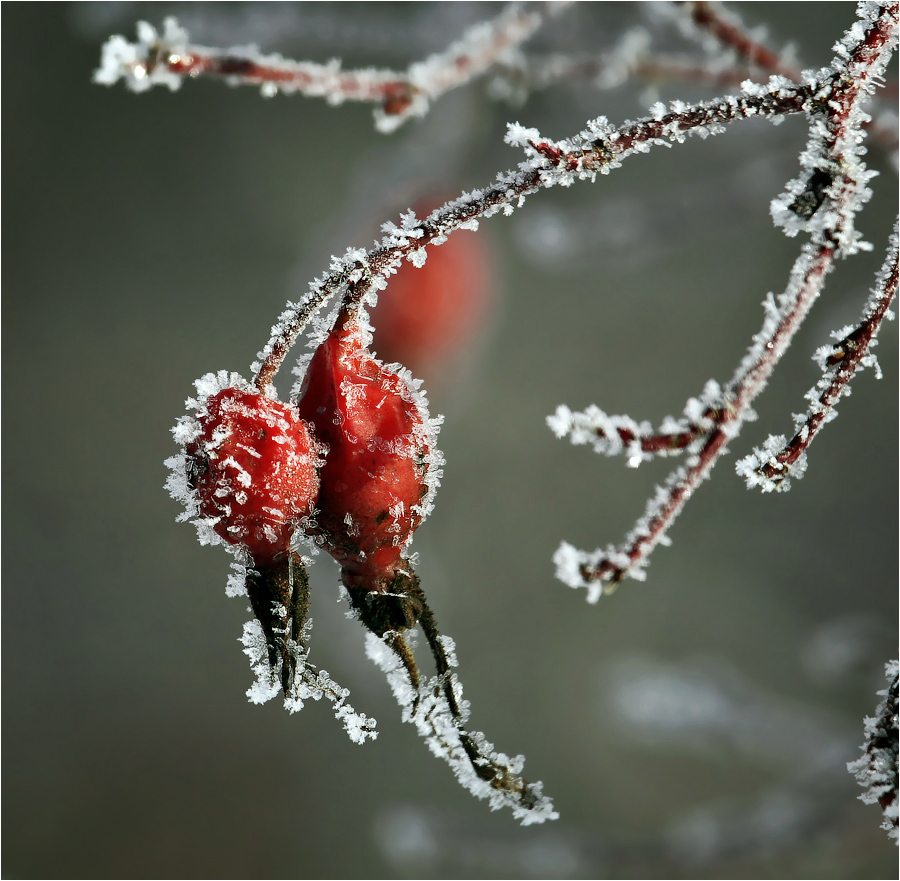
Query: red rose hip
x=381 y=467
x=252 y=464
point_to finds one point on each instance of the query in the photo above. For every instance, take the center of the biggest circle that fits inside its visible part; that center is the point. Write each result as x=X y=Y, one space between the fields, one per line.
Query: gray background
x=696 y=725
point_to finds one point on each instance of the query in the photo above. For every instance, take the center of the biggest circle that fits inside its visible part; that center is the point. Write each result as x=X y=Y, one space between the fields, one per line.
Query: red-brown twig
x=772 y=466
x=729 y=31
x=170 y=58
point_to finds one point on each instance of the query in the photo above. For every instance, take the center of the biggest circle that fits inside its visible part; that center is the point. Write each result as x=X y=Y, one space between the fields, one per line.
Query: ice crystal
x=134 y=62
x=876 y=769
x=309 y=683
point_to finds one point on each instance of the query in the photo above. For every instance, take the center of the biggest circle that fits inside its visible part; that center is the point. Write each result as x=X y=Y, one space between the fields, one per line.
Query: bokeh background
x=696 y=725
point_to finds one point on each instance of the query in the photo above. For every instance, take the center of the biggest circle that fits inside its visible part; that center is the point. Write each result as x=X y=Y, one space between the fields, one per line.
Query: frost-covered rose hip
x=252 y=465
x=381 y=467
x=248 y=476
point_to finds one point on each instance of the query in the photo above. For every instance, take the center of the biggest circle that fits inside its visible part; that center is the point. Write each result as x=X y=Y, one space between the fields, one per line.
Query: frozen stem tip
x=437 y=709
x=144 y=63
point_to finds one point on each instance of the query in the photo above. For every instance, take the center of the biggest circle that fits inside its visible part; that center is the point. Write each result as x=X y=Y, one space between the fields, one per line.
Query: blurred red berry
x=427 y=316
x=253 y=468
x=374 y=491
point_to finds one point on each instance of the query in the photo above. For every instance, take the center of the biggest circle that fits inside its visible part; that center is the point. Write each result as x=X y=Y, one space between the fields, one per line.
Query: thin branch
x=638 y=442
x=170 y=58
x=730 y=32
x=772 y=466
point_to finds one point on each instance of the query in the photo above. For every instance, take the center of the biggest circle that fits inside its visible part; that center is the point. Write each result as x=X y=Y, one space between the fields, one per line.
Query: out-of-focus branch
x=169 y=58
x=542 y=72
x=729 y=30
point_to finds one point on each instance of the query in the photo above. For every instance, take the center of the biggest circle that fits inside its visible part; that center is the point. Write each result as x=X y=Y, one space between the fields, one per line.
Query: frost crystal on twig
x=771 y=466
x=622 y=436
x=876 y=769
x=308 y=683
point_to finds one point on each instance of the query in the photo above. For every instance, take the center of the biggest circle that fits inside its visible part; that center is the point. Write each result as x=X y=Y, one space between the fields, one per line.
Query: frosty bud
x=379 y=470
x=252 y=466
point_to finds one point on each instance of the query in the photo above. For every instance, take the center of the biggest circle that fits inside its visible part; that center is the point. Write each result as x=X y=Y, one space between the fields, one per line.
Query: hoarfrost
x=417 y=257
x=133 y=63
x=429 y=710
x=308 y=684
x=751 y=467
x=266 y=685
x=876 y=769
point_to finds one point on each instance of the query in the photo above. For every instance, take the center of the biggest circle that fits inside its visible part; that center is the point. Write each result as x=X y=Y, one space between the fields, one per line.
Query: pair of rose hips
x=351 y=463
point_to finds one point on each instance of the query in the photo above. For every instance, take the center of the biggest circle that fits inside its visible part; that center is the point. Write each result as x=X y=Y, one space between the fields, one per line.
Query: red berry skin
x=373 y=480
x=428 y=316
x=253 y=467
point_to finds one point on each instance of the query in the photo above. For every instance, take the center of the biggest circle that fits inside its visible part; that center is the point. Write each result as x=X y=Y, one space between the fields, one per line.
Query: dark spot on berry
x=198 y=465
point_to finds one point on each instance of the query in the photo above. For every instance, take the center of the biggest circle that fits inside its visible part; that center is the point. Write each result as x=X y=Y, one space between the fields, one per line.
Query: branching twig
x=833 y=151
x=731 y=33
x=772 y=466
x=600 y=148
